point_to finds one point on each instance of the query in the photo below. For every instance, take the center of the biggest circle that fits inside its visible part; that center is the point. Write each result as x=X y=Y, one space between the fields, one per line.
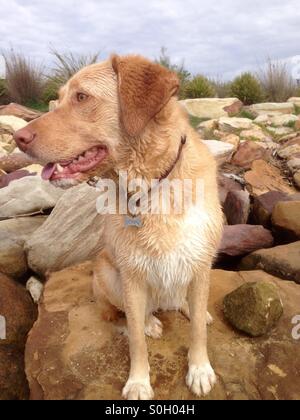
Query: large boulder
x=239 y=240
x=28 y=195
x=73 y=355
x=286 y=219
x=282 y=261
x=72 y=233
x=237 y=207
x=13 y=234
x=254 y=308
x=11 y=124
x=19 y=111
x=295 y=100
x=265 y=177
x=247 y=153
x=235 y=124
x=272 y=108
x=211 y=108
x=19 y=313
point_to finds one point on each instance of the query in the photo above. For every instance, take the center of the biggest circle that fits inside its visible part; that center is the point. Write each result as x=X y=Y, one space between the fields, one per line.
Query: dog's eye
x=81 y=97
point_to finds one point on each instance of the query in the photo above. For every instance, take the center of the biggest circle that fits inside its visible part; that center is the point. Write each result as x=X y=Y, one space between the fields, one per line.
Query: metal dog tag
x=133 y=222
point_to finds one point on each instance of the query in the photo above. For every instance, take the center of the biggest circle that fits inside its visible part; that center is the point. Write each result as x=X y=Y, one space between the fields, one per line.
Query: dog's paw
x=154 y=328
x=138 y=390
x=201 y=379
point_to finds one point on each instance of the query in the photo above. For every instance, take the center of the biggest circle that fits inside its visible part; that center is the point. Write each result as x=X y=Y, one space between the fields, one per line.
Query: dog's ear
x=144 y=89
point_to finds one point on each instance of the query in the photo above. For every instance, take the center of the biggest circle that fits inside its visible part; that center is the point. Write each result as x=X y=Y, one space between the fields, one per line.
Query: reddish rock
x=5 y=180
x=225 y=186
x=14 y=162
x=237 y=207
x=247 y=153
x=234 y=109
x=20 y=313
x=239 y=240
x=20 y=111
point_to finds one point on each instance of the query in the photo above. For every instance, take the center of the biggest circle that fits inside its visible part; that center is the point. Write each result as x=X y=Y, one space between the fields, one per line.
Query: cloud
x=218 y=39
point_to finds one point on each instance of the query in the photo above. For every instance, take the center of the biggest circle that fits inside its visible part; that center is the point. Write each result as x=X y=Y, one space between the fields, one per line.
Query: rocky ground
x=71 y=354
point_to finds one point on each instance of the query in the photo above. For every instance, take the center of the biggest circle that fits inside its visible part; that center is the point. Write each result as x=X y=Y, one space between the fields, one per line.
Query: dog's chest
x=173 y=266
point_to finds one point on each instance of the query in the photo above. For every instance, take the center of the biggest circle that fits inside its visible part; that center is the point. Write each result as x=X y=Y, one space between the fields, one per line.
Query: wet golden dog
x=123 y=115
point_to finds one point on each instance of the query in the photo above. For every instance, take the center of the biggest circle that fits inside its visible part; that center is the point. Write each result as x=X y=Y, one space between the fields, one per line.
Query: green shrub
x=247 y=89
x=65 y=66
x=24 y=78
x=199 y=87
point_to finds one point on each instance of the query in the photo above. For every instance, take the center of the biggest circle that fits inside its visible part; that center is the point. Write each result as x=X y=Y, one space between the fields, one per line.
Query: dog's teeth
x=59 y=168
x=81 y=158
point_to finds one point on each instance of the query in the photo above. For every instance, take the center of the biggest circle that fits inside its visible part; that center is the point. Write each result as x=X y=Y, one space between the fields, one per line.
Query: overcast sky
x=218 y=38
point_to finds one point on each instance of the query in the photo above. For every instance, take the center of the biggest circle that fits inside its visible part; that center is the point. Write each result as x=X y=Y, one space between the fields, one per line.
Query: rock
x=263 y=206
x=6 y=179
x=11 y=124
x=227 y=185
x=264 y=177
x=20 y=313
x=72 y=355
x=240 y=240
x=247 y=153
x=255 y=134
x=67 y=238
x=235 y=124
x=53 y=105
x=35 y=288
x=295 y=101
x=289 y=152
x=237 y=207
x=209 y=125
x=286 y=219
x=254 y=308
x=283 y=120
x=280 y=131
x=14 y=162
x=221 y=150
x=263 y=119
x=212 y=107
x=19 y=111
x=229 y=138
x=272 y=108
x=297 y=179
x=13 y=234
x=26 y=196
x=282 y=261
x=294 y=164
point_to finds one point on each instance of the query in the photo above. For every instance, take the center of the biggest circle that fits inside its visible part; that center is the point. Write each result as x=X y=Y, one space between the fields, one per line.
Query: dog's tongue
x=48 y=171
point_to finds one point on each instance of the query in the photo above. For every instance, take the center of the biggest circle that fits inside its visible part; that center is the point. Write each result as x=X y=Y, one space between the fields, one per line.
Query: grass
x=245 y=114
x=38 y=106
x=195 y=121
x=297 y=110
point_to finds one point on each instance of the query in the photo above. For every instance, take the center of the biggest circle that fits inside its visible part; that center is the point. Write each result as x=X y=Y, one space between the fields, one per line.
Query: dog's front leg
x=201 y=377
x=138 y=386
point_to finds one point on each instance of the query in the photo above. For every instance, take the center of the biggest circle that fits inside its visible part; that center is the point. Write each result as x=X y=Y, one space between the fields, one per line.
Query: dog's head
x=99 y=108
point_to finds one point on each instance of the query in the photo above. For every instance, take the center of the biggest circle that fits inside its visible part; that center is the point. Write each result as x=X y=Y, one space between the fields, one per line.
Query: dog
x=123 y=115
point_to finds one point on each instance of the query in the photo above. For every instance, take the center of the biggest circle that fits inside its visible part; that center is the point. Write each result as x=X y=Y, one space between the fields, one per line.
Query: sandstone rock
x=286 y=219
x=282 y=261
x=212 y=107
x=280 y=131
x=272 y=108
x=237 y=207
x=19 y=312
x=72 y=355
x=11 y=124
x=263 y=206
x=26 y=196
x=19 y=111
x=297 y=179
x=255 y=134
x=295 y=101
x=6 y=179
x=264 y=177
x=254 y=308
x=235 y=124
x=221 y=150
x=294 y=164
x=263 y=119
x=288 y=152
x=53 y=105
x=13 y=234
x=283 y=120
x=67 y=237
x=247 y=153
x=209 y=125
x=14 y=162
x=227 y=185
x=240 y=240
x=230 y=138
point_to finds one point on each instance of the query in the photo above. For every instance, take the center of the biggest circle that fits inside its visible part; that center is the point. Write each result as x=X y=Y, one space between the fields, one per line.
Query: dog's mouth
x=75 y=167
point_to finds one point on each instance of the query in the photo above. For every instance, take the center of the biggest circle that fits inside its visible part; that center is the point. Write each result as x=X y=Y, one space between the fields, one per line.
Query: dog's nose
x=24 y=138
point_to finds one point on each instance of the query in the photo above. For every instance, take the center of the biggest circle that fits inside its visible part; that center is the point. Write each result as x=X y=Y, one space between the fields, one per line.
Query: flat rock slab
x=212 y=107
x=72 y=354
x=282 y=261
